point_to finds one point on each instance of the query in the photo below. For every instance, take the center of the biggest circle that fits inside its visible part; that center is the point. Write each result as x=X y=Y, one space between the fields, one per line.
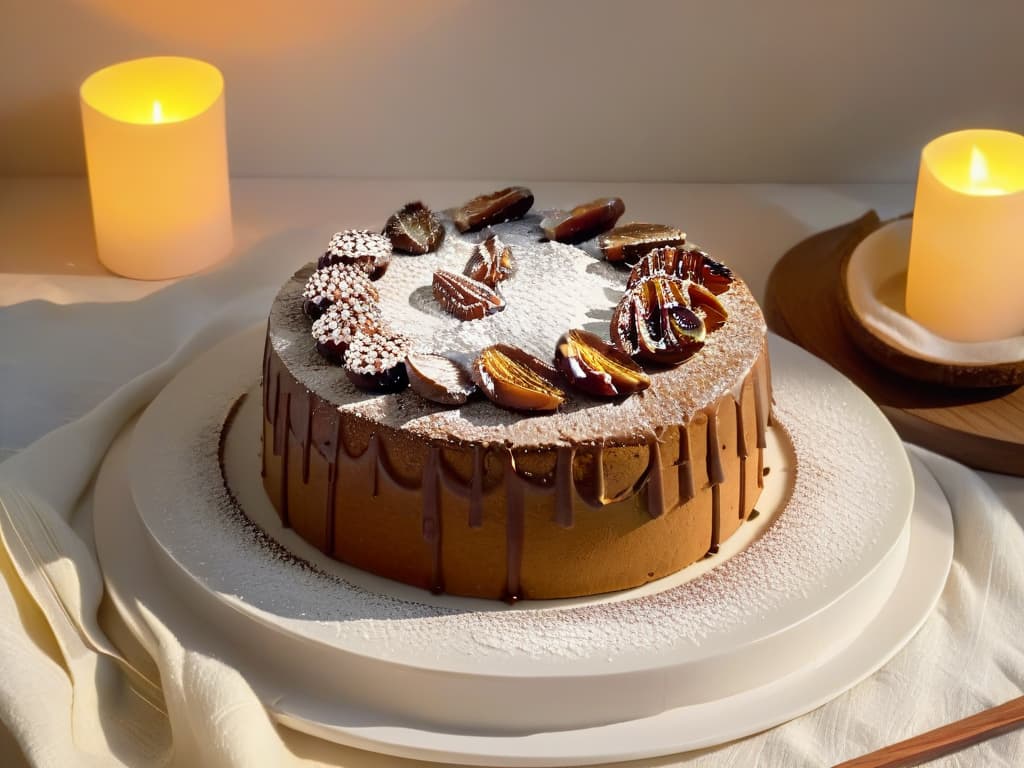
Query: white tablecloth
x=81 y=351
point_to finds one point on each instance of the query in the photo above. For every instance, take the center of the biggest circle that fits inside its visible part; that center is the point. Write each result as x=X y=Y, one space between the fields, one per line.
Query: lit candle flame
x=979 y=167
x=158 y=116
x=980 y=181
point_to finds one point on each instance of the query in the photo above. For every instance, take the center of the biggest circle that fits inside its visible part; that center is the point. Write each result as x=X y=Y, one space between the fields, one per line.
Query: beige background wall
x=787 y=90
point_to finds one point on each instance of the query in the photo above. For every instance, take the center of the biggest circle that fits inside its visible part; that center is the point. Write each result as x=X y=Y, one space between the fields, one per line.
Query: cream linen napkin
x=71 y=699
x=67 y=695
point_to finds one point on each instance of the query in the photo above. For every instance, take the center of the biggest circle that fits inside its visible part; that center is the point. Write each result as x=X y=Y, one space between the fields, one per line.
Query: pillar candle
x=965 y=277
x=158 y=169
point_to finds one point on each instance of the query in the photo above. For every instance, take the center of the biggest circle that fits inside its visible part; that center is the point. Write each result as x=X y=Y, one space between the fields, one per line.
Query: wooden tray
x=983 y=428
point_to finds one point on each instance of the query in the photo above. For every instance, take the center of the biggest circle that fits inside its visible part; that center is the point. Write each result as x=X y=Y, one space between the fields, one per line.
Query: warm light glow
x=979 y=163
x=980 y=182
x=979 y=168
x=136 y=91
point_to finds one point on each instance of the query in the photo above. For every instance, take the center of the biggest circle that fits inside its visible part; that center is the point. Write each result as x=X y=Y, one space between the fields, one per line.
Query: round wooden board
x=983 y=428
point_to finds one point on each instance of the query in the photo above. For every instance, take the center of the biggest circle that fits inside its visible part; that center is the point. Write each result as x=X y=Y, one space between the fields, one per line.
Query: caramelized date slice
x=707 y=304
x=701 y=268
x=491 y=262
x=415 y=229
x=438 y=378
x=464 y=297
x=514 y=379
x=688 y=263
x=504 y=205
x=654 y=322
x=592 y=365
x=584 y=221
x=630 y=242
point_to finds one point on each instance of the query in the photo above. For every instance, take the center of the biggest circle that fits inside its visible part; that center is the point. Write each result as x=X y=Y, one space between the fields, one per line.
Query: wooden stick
x=946 y=739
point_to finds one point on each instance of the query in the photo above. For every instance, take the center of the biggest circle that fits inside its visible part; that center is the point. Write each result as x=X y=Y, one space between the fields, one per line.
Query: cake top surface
x=554 y=287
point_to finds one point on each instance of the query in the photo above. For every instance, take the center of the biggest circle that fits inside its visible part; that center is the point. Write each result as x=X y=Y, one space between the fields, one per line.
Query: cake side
x=498 y=520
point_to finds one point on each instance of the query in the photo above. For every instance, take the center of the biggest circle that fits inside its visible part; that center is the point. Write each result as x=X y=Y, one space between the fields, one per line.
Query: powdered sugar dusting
x=340 y=323
x=341 y=283
x=370 y=353
x=554 y=287
x=370 y=251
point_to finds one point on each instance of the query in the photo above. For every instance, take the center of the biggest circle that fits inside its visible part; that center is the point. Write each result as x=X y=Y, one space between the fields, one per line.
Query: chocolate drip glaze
x=761 y=416
x=741 y=449
x=293 y=411
x=599 y=489
x=716 y=476
x=564 y=487
x=716 y=518
x=374 y=455
x=741 y=437
x=716 y=473
x=743 y=487
x=275 y=412
x=269 y=375
x=432 y=517
x=306 y=440
x=514 y=531
x=391 y=477
x=655 y=481
x=684 y=466
x=473 y=493
x=476 y=495
x=332 y=488
x=281 y=446
x=265 y=387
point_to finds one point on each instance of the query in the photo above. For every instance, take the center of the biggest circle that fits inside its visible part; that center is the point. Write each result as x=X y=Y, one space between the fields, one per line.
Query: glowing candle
x=965 y=278
x=158 y=167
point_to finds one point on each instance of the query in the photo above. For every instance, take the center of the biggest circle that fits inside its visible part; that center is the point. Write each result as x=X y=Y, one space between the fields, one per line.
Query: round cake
x=524 y=462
